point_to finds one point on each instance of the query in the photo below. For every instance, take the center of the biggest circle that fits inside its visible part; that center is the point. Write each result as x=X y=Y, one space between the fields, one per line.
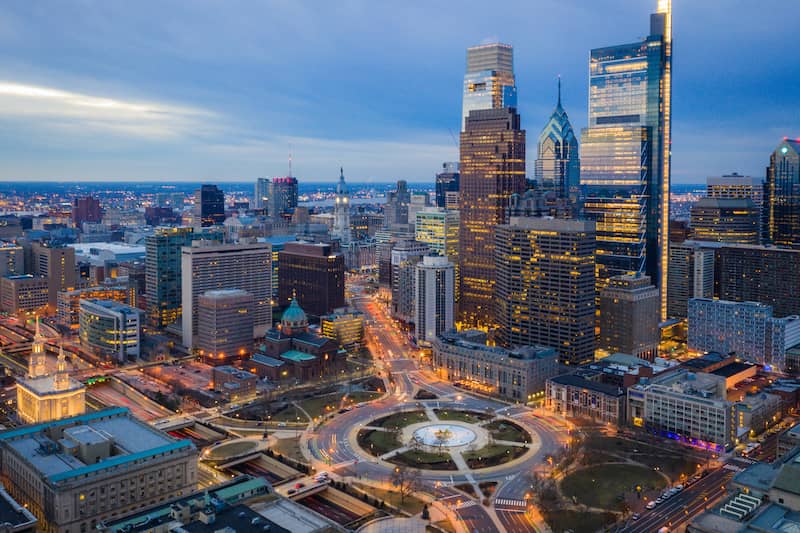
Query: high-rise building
x=206 y=266
x=341 y=212
x=282 y=196
x=558 y=168
x=209 y=205
x=86 y=209
x=24 y=294
x=57 y=264
x=446 y=182
x=12 y=259
x=110 y=329
x=489 y=81
x=395 y=210
x=492 y=170
x=345 y=326
x=224 y=326
x=545 y=289
x=625 y=153
x=261 y=194
x=735 y=186
x=163 y=274
x=438 y=228
x=730 y=220
x=405 y=256
x=68 y=312
x=691 y=275
x=312 y=273
x=419 y=201
x=629 y=317
x=434 y=289
x=782 y=200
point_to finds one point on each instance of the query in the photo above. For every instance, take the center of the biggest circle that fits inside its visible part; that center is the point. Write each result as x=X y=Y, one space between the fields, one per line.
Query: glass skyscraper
x=783 y=194
x=557 y=167
x=489 y=82
x=625 y=159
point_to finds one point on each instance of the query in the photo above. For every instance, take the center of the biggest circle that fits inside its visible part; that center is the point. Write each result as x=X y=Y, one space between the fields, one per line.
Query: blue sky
x=222 y=90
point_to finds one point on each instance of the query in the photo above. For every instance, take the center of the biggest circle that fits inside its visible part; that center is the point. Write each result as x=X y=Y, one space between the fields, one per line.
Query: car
x=636 y=516
x=679 y=487
x=281 y=424
x=659 y=500
x=291 y=491
x=651 y=505
x=299 y=485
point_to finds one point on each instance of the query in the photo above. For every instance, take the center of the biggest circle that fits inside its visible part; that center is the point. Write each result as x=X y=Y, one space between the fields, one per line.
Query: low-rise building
x=76 y=472
x=68 y=308
x=267 y=367
x=110 y=329
x=233 y=383
x=345 y=326
x=518 y=374
x=788 y=440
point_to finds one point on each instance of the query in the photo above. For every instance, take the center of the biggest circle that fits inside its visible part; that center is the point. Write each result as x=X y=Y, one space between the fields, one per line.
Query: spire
x=341 y=173
x=559 y=90
x=61 y=379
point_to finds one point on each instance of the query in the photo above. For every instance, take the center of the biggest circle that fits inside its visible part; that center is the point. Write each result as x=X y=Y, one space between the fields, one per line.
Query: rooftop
x=236 y=519
x=732 y=369
x=44 y=385
x=297 y=356
x=266 y=360
x=235 y=372
x=577 y=381
x=13 y=513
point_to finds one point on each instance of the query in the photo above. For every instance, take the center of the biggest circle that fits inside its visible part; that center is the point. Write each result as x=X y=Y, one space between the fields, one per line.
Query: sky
x=224 y=90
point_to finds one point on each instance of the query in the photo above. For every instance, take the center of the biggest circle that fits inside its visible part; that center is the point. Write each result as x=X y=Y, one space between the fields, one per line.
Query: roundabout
x=444 y=435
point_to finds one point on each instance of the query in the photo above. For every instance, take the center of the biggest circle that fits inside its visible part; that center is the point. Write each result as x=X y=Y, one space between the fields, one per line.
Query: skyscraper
x=691 y=275
x=57 y=263
x=625 y=153
x=405 y=256
x=282 y=196
x=395 y=210
x=313 y=273
x=163 y=274
x=545 y=289
x=492 y=169
x=557 y=167
x=224 y=326
x=434 y=290
x=209 y=204
x=783 y=194
x=629 y=317
x=85 y=209
x=489 y=81
x=261 y=195
x=731 y=220
x=341 y=211
x=735 y=186
x=446 y=182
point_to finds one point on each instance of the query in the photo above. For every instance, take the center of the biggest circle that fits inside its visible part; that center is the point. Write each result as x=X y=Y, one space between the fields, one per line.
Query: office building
x=728 y=220
x=395 y=210
x=746 y=329
x=782 y=201
x=557 y=168
x=419 y=202
x=629 y=317
x=446 y=182
x=68 y=309
x=224 y=326
x=207 y=266
x=545 y=290
x=282 y=197
x=736 y=186
x=489 y=80
x=209 y=205
x=517 y=374
x=91 y=467
x=346 y=327
x=758 y=274
x=434 y=290
x=24 y=294
x=163 y=274
x=438 y=228
x=625 y=154
x=405 y=256
x=12 y=259
x=689 y=407
x=57 y=264
x=86 y=209
x=110 y=329
x=312 y=273
x=691 y=275
x=492 y=170
x=575 y=396
x=261 y=194
x=341 y=212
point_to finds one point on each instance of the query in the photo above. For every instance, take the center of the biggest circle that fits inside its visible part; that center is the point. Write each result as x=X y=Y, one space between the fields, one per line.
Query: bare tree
x=407 y=481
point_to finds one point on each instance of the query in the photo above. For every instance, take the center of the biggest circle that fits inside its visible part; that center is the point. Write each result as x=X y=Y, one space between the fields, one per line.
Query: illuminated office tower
x=492 y=170
x=261 y=195
x=209 y=205
x=625 y=154
x=341 y=212
x=545 y=289
x=282 y=196
x=489 y=81
x=731 y=220
x=446 y=182
x=783 y=194
x=163 y=274
x=438 y=228
x=735 y=186
x=557 y=167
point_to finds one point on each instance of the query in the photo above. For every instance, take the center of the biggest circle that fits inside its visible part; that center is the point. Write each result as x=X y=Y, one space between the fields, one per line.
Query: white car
x=651 y=505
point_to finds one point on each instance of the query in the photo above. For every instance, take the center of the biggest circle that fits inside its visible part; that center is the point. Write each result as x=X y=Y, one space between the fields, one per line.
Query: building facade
x=405 y=256
x=209 y=205
x=517 y=375
x=282 y=196
x=312 y=273
x=489 y=81
x=86 y=209
x=341 y=212
x=729 y=220
x=434 y=288
x=446 y=182
x=625 y=153
x=492 y=170
x=629 y=317
x=163 y=274
x=12 y=259
x=110 y=329
x=261 y=194
x=208 y=266
x=545 y=289
x=24 y=294
x=68 y=310
x=57 y=264
x=345 y=326
x=224 y=326
x=691 y=275
x=783 y=194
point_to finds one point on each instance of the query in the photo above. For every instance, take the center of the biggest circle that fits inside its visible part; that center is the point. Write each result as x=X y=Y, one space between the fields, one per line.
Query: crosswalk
x=732 y=468
x=465 y=504
x=509 y=502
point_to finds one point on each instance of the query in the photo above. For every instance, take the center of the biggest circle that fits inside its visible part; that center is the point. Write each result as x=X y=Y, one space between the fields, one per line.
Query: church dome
x=294 y=317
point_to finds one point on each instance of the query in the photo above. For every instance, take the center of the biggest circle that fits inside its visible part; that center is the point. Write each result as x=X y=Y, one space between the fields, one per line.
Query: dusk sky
x=220 y=90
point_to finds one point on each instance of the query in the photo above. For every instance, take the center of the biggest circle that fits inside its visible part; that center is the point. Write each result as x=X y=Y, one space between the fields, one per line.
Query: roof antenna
x=559 y=90
x=290 y=160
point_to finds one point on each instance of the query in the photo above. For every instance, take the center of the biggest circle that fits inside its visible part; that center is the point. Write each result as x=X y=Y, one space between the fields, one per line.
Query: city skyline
x=120 y=96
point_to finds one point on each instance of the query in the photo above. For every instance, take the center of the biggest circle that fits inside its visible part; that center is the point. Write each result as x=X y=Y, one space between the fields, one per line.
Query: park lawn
x=567 y=520
x=289 y=448
x=424 y=460
x=672 y=461
x=360 y=396
x=506 y=430
x=411 y=504
x=378 y=443
x=603 y=485
x=400 y=420
x=321 y=405
x=289 y=414
x=493 y=455
x=461 y=416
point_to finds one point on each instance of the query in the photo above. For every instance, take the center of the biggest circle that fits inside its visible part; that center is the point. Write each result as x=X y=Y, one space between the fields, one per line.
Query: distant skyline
x=223 y=91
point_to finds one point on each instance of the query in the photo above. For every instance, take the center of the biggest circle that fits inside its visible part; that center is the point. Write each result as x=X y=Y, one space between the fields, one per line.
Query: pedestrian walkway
x=509 y=502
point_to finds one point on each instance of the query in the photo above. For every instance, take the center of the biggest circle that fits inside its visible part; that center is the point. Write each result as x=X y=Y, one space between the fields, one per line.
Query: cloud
x=66 y=110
